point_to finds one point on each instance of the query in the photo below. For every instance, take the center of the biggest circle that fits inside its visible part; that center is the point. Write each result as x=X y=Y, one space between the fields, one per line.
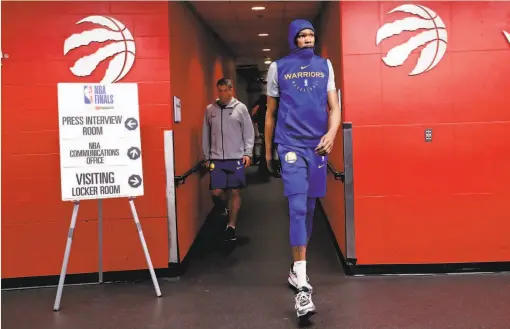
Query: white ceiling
x=238 y=25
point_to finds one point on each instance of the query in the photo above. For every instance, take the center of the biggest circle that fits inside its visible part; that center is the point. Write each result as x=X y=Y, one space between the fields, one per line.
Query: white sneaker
x=304 y=305
x=293 y=279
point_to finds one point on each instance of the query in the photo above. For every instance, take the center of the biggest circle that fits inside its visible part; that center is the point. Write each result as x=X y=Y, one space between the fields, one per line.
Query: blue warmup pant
x=302 y=209
x=304 y=180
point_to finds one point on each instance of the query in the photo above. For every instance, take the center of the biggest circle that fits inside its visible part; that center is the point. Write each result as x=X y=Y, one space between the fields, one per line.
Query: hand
x=326 y=144
x=246 y=161
x=269 y=162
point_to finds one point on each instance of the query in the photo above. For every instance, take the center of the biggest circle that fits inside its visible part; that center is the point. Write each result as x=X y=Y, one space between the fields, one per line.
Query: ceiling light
x=266 y=49
x=258 y=8
x=263 y=34
x=267 y=61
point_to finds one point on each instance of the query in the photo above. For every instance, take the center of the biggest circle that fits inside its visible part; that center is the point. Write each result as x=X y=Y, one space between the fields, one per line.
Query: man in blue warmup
x=305 y=133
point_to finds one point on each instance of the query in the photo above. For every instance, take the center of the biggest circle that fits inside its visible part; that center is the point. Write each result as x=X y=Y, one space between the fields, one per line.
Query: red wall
x=175 y=55
x=35 y=221
x=329 y=46
x=443 y=201
x=415 y=202
x=198 y=61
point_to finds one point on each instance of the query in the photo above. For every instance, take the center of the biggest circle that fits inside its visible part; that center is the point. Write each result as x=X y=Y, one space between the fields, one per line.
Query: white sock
x=300 y=269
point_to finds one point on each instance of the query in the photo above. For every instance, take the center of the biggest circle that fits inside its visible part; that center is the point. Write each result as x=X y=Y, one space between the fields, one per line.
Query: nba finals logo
x=121 y=48
x=96 y=96
x=433 y=38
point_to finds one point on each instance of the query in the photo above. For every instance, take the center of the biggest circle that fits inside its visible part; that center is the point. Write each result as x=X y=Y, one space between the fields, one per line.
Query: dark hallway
x=248 y=289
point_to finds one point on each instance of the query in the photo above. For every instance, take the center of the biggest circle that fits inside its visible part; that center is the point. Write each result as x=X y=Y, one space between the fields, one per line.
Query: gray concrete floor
x=248 y=289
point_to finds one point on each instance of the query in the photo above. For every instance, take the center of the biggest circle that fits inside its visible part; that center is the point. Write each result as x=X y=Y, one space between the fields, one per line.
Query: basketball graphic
x=121 y=49
x=433 y=36
x=290 y=157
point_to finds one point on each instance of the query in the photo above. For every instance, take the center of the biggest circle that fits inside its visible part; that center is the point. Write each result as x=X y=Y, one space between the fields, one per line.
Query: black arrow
x=135 y=181
x=133 y=153
x=131 y=123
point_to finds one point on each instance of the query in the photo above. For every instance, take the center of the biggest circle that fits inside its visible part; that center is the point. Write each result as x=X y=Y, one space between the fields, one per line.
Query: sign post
x=100 y=154
x=100 y=239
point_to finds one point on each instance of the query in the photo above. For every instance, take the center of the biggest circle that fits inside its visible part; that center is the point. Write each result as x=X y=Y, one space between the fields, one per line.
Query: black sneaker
x=230 y=234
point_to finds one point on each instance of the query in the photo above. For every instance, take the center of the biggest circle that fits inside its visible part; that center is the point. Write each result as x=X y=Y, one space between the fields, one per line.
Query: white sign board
x=100 y=148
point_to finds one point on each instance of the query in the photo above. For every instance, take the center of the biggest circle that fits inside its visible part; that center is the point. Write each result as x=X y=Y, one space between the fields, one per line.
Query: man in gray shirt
x=227 y=144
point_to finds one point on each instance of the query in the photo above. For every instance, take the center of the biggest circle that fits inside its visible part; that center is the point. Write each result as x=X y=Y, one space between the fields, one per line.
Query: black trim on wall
x=174 y=270
x=452 y=268
x=85 y=278
x=352 y=269
x=339 y=253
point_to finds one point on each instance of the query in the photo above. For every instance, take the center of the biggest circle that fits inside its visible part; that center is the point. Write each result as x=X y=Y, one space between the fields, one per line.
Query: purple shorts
x=303 y=171
x=227 y=174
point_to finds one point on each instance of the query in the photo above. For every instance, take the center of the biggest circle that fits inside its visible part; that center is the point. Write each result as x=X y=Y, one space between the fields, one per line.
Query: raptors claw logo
x=122 y=48
x=434 y=38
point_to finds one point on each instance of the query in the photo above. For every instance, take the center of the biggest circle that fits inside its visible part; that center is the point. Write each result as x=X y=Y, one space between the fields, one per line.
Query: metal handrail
x=338 y=175
x=182 y=179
